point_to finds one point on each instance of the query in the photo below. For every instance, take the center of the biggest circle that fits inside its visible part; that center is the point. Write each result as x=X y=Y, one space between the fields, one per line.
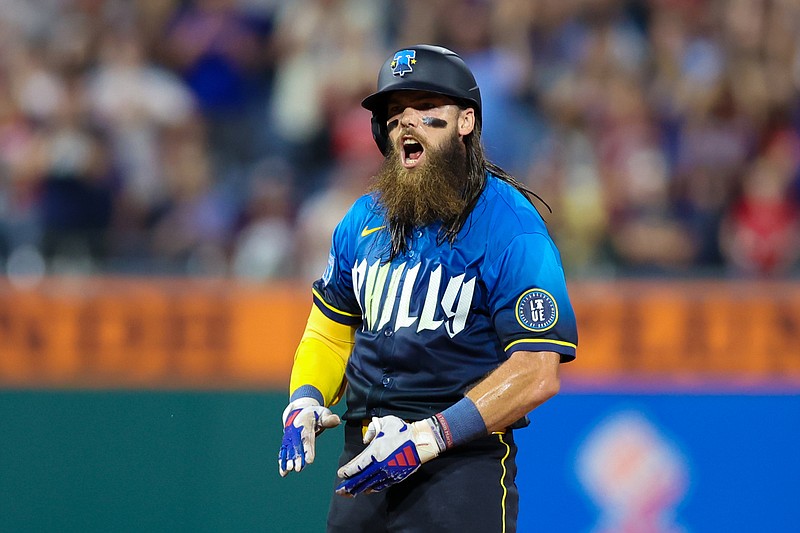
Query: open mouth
x=412 y=152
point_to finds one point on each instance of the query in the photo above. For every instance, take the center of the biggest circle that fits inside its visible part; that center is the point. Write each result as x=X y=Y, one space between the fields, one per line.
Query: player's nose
x=409 y=117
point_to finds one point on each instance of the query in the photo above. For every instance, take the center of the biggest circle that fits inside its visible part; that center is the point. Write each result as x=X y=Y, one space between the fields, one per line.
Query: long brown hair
x=477 y=168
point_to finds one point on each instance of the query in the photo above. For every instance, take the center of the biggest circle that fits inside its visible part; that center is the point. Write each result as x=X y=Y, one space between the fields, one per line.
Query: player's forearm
x=321 y=358
x=515 y=388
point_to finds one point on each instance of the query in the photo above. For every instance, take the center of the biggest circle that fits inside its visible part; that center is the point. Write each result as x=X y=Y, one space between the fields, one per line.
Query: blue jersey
x=437 y=319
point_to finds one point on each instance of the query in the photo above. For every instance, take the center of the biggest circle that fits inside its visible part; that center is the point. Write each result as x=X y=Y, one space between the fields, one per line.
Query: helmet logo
x=402 y=61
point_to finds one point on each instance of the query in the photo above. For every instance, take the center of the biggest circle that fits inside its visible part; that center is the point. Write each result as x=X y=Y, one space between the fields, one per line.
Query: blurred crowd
x=226 y=137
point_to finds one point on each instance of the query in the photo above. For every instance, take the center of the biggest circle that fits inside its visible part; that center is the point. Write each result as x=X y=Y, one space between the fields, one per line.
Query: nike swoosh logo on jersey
x=367 y=230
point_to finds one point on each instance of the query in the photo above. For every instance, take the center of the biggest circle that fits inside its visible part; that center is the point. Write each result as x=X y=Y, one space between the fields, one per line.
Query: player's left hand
x=396 y=450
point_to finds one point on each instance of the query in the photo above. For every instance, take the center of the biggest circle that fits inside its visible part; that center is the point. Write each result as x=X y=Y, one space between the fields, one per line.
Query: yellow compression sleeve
x=322 y=355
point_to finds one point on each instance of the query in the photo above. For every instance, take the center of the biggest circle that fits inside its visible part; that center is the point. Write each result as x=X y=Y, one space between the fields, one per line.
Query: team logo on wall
x=403 y=61
x=537 y=310
x=635 y=475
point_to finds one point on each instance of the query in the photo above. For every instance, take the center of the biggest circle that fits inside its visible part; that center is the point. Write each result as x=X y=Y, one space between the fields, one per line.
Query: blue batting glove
x=303 y=420
x=396 y=450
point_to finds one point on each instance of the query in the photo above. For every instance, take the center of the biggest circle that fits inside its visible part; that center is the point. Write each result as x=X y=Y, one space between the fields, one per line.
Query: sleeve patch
x=326 y=276
x=537 y=310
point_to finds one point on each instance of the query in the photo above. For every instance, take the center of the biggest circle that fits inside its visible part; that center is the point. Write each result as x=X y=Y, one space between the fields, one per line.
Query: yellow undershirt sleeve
x=322 y=355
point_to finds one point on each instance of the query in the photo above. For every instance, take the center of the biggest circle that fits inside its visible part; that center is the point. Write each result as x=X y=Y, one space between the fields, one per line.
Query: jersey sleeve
x=528 y=298
x=333 y=292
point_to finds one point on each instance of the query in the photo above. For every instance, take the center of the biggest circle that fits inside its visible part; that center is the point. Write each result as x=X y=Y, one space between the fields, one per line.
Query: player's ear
x=466 y=121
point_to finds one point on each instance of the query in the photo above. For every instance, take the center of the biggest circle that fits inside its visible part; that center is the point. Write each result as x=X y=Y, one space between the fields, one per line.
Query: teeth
x=414 y=147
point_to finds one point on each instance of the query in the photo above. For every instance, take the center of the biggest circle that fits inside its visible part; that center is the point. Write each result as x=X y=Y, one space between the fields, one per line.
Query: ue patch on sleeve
x=326 y=276
x=537 y=310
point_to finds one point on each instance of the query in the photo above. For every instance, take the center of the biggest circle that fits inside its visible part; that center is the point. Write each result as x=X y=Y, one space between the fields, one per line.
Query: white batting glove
x=396 y=450
x=303 y=420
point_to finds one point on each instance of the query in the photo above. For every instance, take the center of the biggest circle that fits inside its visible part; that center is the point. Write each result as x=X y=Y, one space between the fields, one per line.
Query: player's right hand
x=303 y=420
x=396 y=450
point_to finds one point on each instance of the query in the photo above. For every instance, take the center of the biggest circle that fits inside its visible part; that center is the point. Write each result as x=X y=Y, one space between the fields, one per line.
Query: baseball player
x=443 y=314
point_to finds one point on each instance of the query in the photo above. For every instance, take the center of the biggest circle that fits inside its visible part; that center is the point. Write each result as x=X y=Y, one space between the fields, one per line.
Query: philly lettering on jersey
x=439 y=318
x=381 y=301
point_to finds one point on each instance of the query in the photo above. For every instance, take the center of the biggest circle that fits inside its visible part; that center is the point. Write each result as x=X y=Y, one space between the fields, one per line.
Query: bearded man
x=443 y=315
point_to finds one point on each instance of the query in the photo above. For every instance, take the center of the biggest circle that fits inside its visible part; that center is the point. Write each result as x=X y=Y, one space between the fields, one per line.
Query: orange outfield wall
x=179 y=333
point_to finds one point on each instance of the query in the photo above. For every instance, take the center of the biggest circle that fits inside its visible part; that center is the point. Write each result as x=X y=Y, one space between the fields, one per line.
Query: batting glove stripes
x=303 y=420
x=396 y=450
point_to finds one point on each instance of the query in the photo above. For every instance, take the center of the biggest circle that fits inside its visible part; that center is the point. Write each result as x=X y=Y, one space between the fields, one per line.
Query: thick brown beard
x=420 y=196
